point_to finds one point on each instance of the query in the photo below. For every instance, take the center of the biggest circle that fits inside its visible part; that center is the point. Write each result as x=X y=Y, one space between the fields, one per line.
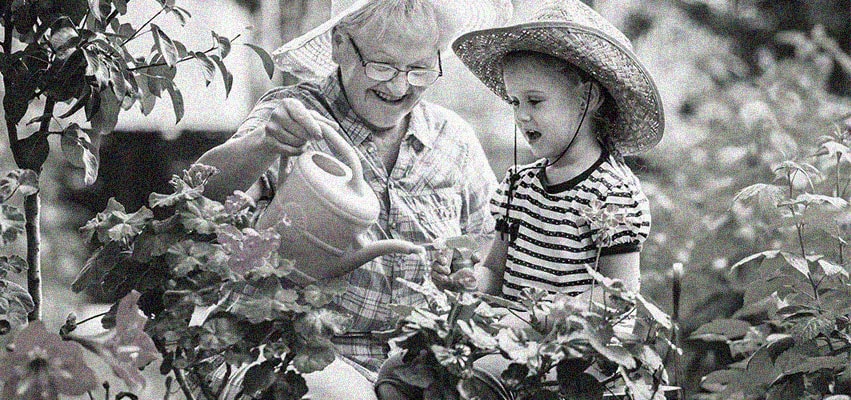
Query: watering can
x=323 y=209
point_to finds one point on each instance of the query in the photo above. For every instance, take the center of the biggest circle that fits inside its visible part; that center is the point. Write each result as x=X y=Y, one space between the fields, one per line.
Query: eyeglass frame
x=396 y=72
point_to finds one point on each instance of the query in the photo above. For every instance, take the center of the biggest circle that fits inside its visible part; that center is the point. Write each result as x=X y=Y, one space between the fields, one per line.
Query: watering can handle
x=350 y=156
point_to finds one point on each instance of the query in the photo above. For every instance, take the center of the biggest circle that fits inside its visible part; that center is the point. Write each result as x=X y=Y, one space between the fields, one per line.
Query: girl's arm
x=623 y=266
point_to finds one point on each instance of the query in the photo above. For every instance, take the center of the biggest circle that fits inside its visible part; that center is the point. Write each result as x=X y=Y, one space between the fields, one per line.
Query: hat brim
x=308 y=57
x=639 y=123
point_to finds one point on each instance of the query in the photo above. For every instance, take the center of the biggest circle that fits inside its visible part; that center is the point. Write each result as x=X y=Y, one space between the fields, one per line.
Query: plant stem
x=160 y=64
x=181 y=380
x=838 y=167
x=7 y=31
x=91 y=318
x=32 y=204
x=133 y=36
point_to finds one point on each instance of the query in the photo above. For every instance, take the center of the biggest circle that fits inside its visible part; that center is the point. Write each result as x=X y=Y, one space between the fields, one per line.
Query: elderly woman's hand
x=463 y=278
x=291 y=125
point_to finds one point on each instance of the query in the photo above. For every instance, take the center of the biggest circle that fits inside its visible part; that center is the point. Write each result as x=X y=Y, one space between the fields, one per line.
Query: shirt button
x=392 y=226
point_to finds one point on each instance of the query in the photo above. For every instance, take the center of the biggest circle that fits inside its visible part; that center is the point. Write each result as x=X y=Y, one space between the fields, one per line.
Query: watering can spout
x=379 y=248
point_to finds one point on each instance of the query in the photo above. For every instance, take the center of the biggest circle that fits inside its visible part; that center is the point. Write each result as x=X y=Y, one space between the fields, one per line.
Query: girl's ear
x=595 y=98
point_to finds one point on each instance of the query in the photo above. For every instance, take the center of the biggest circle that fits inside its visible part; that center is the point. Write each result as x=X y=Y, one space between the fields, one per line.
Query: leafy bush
x=572 y=338
x=789 y=337
x=215 y=291
x=801 y=347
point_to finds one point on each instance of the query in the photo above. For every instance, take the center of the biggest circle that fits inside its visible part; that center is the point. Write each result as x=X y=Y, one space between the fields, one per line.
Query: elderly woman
x=365 y=72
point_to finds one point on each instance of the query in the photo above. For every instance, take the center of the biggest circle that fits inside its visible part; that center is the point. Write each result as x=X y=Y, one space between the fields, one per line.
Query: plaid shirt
x=439 y=187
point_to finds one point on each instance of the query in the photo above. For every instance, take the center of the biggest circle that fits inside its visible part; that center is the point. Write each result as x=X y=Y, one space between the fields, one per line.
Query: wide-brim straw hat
x=308 y=56
x=572 y=31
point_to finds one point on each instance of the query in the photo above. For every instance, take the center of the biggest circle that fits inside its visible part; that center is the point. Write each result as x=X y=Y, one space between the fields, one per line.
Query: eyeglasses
x=384 y=72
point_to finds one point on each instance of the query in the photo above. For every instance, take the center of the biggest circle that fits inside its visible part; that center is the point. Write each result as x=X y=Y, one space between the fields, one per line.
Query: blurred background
x=746 y=84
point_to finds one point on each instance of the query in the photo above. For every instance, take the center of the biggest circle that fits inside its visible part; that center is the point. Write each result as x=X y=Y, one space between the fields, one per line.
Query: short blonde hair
x=383 y=18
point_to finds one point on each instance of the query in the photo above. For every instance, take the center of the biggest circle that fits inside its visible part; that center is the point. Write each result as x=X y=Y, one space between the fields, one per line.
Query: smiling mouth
x=388 y=98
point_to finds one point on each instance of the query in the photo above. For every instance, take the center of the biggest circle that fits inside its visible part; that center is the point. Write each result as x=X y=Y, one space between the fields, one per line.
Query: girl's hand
x=463 y=279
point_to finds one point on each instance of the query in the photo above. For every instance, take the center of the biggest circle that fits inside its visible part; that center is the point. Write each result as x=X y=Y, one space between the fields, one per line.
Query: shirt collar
x=332 y=90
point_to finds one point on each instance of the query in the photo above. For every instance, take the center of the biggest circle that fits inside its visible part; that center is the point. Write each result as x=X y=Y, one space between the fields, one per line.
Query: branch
x=133 y=36
x=181 y=380
x=187 y=58
x=160 y=64
x=7 y=24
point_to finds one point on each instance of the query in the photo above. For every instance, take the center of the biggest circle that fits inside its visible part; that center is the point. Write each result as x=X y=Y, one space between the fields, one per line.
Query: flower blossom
x=41 y=366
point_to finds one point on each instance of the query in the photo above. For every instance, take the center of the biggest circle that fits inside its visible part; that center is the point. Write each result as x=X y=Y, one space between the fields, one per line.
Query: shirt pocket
x=425 y=216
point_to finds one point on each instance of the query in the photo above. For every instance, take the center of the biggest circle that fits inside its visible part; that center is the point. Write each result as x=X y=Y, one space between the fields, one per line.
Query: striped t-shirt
x=560 y=227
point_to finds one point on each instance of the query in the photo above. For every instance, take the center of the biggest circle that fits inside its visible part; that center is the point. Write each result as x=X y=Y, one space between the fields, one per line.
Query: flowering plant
x=563 y=347
x=222 y=312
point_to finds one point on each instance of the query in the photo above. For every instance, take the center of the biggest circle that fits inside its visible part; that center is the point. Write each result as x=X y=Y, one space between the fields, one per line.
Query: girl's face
x=547 y=103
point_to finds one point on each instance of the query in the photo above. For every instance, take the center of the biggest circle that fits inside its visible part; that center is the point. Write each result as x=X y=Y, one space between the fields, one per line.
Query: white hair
x=381 y=19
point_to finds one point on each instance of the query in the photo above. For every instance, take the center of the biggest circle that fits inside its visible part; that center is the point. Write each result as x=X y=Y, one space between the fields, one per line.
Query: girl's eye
x=534 y=101
x=514 y=102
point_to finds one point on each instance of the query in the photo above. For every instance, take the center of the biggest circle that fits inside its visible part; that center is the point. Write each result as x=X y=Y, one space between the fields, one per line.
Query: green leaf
x=654 y=312
x=208 y=67
x=176 y=101
x=831 y=269
x=12 y=264
x=81 y=152
x=80 y=103
x=106 y=118
x=11 y=224
x=312 y=359
x=164 y=45
x=220 y=332
x=728 y=328
x=268 y=64
x=24 y=181
x=259 y=378
x=611 y=352
x=799 y=263
x=227 y=77
x=811 y=327
x=147 y=100
x=815 y=364
x=16 y=303
x=761 y=255
x=94 y=8
x=98 y=265
x=96 y=67
x=763 y=190
x=223 y=44
x=181 y=14
x=31 y=152
x=478 y=336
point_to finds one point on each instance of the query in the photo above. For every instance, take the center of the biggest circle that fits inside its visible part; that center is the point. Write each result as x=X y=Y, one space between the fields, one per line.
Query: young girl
x=582 y=101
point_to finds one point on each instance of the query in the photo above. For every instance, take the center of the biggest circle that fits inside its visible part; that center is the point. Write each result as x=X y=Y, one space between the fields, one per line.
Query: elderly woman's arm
x=245 y=157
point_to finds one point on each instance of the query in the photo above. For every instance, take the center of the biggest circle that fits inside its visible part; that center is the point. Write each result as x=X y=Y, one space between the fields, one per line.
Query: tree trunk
x=32 y=203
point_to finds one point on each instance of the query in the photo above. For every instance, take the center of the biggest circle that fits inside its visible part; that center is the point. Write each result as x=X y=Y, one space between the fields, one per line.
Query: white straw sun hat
x=309 y=56
x=572 y=31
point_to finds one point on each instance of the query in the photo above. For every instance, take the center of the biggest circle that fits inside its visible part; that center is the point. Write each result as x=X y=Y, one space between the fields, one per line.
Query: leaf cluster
x=76 y=52
x=791 y=337
x=562 y=335
x=215 y=290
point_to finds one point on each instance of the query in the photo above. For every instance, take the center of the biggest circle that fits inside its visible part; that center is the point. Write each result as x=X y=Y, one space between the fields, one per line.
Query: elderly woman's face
x=383 y=104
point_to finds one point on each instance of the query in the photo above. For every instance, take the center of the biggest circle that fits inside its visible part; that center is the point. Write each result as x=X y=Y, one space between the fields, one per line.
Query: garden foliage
x=215 y=291
x=564 y=347
x=788 y=338
x=73 y=59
